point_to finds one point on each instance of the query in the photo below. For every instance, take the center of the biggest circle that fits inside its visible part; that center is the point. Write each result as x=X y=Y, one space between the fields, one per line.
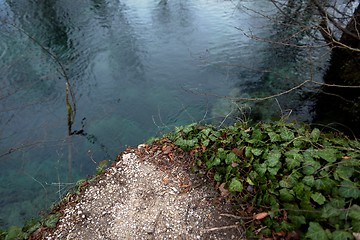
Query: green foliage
x=51 y=220
x=101 y=166
x=310 y=177
x=20 y=233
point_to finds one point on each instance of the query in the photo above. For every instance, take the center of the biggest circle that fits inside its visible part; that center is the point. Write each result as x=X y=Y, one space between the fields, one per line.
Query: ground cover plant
x=303 y=183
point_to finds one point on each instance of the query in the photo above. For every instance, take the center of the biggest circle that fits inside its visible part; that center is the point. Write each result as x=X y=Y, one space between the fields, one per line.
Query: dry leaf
x=345 y=157
x=238 y=152
x=224 y=192
x=248 y=130
x=165 y=180
x=167 y=149
x=280 y=234
x=356 y=235
x=234 y=164
x=260 y=216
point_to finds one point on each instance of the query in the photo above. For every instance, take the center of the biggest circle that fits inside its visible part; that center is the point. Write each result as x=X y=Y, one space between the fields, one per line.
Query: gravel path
x=147 y=194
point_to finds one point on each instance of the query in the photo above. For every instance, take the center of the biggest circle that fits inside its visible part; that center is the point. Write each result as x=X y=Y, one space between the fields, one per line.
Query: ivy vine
x=306 y=180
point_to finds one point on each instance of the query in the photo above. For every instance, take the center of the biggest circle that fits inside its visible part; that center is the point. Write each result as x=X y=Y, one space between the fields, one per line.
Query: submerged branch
x=70 y=101
x=70 y=111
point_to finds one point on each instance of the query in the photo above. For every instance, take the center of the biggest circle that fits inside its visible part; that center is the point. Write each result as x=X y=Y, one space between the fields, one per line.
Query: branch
x=236 y=99
x=280 y=42
x=71 y=107
x=326 y=16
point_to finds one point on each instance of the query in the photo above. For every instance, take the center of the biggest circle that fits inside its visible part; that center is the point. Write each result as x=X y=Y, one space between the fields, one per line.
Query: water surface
x=137 y=69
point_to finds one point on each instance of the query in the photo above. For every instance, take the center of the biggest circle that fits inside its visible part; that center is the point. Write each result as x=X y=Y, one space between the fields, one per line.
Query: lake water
x=136 y=68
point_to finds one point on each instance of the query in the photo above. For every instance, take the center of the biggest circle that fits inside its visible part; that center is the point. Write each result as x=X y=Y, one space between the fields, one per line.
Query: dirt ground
x=148 y=193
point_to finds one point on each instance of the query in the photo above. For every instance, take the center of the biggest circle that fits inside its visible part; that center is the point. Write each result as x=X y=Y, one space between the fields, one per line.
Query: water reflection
x=131 y=65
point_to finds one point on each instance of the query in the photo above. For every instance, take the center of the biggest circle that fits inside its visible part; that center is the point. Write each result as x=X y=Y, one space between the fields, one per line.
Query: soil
x=148 y=193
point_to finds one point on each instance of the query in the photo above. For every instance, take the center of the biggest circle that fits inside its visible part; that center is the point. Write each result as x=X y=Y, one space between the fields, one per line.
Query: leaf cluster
x=19 y=233
x=307 y=180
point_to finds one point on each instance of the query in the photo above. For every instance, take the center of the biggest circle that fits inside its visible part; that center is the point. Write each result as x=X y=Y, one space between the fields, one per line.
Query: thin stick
x=220 y=228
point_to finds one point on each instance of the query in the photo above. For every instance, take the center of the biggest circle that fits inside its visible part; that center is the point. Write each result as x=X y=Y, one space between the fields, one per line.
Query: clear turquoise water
x=134 y=66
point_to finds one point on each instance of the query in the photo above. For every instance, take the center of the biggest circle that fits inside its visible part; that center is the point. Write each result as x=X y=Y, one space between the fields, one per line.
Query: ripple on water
x=3 y=49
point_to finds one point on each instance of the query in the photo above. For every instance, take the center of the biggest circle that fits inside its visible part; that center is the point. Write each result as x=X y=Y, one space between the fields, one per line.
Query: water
x=137 y=69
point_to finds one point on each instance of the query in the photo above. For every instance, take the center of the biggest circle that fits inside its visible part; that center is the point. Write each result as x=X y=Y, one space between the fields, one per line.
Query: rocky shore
x=148 y=193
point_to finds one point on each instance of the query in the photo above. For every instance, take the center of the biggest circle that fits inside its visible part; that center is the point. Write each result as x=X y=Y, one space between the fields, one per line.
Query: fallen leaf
x=171 y=156
x=280 y=234
x=260 y=216
x=356 y=235
x=238 y=152
x=165 y=180
x=167 y=149
x=224 y=192
x=248 y=130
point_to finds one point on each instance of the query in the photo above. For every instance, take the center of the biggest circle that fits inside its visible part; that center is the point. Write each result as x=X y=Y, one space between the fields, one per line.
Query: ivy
x=307 y=180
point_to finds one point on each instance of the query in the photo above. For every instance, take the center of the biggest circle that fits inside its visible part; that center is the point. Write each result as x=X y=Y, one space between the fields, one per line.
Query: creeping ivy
x=307 y=179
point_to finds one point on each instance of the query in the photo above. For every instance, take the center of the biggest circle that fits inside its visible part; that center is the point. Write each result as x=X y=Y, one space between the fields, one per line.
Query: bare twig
x=220 y=228
x=236 y=99
x=325 y=15
x=234 y=216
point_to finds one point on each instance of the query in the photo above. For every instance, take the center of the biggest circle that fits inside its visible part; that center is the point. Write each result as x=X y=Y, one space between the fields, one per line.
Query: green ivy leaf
x=31 y=226
x=52 y=220
x=286 y=183
x=286 y=134
x=214 y=135
x=328 y=154
x=298 y=143
x=186 y=144
x=316 y=232
x=274 y=170
x=292 y=163
x=257 y=134
x=348 y=189
x=343 y=172
x=328 y=211
x=274 y=137
x=297 y=220
x=293 y=159
x=261 y=168
x=309 y=154
x=248 y=151
x=256 y=151
x=355 y=224
x=325 y=184
x=206 y=131
x=206 y=142
x=230 y=158
x=235 y=185
x=338 y=203
x=309 y=180
x=299 y=189
x=286 y=195
x=217 y=176
x=341 y=235
x=15 y=232
x=214 y=161
x=314 y=135
x=221 y=153
x=273 y=158
x=354 y=212
x=318 y=198
x=310 y=167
